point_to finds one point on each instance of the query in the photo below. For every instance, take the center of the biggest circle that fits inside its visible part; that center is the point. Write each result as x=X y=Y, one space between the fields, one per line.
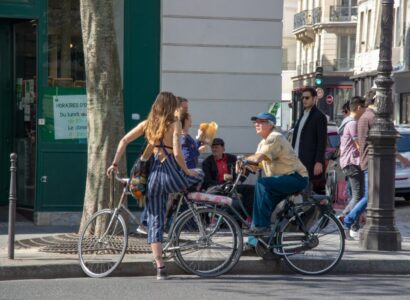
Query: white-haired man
x=284 y=172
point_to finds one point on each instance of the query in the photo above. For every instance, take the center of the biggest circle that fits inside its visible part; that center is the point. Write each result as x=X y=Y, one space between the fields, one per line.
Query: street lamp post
x=380 y=231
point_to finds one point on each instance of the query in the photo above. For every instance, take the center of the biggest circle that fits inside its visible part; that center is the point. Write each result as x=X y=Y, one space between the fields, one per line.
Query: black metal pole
x=380 y=231
x=12 y=204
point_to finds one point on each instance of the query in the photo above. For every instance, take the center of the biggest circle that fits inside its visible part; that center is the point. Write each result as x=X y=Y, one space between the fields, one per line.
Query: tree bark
x=104 y=102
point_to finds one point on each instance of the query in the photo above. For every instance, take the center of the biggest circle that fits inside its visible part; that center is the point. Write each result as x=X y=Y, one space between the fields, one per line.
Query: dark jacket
x=211 y=170
x=313 y=140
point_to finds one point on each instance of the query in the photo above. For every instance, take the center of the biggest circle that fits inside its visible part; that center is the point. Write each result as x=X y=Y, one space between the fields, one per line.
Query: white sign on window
x=70 y=117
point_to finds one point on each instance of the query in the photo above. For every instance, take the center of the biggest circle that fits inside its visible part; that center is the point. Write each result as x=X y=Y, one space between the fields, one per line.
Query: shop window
x=65 y=46
x=405 y=108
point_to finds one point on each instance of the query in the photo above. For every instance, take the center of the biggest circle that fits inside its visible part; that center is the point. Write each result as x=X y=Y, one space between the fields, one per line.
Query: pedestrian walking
x=364 y=125
x=349 y=153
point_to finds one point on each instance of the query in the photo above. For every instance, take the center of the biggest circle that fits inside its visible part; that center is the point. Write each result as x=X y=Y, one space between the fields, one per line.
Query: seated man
x=217 y=165
x=284 y=173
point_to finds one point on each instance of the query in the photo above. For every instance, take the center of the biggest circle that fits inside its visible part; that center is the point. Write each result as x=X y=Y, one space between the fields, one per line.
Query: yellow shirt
x=282 y=160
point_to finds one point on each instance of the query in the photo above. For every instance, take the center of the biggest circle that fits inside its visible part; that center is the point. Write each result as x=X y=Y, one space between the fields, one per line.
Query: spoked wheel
x=208 y=243
x=103 y=242
x=316 y=253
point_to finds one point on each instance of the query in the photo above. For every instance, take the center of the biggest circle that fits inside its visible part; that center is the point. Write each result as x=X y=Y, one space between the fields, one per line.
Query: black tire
x=101 y=251
x=317 y=254
x=214 y=253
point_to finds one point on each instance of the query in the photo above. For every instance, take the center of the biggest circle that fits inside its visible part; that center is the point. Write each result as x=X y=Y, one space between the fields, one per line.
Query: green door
x=6 y=101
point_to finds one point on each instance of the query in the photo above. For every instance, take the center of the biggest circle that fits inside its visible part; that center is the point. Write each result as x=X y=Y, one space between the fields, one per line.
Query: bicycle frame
x=192 y=208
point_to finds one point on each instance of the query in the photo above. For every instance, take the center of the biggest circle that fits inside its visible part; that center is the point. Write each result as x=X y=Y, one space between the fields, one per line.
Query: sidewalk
x=31 y=263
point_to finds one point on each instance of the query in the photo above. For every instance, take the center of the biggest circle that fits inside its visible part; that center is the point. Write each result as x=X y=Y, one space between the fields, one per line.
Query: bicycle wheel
x=103 y=242
x=314 y=253
x=208 y=242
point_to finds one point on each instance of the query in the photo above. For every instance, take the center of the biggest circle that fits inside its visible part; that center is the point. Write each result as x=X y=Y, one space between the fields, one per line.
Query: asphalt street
x=225 y=287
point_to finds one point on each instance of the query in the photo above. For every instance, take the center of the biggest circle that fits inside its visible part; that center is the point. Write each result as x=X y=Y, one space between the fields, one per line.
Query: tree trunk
x=104 y=101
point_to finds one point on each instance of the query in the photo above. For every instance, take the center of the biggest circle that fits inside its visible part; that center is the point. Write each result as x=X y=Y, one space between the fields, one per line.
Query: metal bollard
x=12 y=203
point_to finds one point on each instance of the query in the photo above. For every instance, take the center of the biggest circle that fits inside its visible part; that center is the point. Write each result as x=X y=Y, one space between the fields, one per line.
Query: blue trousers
x=269 y=191
x=360 y=207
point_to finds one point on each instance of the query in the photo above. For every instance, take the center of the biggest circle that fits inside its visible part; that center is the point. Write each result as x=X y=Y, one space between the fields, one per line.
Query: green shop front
x=43 y=115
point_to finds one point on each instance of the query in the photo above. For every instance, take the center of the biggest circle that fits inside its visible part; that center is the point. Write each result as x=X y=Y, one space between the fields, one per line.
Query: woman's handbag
x=139 y=175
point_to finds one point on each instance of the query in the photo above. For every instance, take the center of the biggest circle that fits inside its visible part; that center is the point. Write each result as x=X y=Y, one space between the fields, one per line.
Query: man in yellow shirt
x=284 y=172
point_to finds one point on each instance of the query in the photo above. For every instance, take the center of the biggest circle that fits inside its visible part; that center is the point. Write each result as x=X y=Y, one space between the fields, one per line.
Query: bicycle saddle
x=214 y=199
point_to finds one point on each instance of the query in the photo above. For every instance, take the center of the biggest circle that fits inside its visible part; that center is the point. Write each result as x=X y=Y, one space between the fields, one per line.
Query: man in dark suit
x=310 y=138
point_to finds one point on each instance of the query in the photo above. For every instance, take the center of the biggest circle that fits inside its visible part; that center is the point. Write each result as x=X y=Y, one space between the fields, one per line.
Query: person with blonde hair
x=168 y=171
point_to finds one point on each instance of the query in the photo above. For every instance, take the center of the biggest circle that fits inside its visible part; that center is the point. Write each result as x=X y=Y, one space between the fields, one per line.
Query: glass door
x=25 y=95
x=6 y=100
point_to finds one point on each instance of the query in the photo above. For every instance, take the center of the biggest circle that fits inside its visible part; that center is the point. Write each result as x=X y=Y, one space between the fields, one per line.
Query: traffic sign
x=320 y=93
x=329 y=99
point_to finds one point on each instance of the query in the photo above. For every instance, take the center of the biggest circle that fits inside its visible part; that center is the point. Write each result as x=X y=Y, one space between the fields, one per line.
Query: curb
x=246 y=266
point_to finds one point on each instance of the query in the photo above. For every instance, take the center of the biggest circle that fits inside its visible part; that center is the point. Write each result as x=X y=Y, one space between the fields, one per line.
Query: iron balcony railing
x=311 y=67
x=299 y=70
x=301 y=19
x=316 y=15
x=343 y=13
x=343 y=64
x=304 y=68
x=288 y=65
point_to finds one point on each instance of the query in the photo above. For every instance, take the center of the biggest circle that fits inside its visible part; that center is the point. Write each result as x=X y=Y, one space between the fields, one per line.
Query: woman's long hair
x=161 y=116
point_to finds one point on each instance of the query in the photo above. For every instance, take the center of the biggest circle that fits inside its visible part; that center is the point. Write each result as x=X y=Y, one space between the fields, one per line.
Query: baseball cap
x=218 y=141
x=264 y=116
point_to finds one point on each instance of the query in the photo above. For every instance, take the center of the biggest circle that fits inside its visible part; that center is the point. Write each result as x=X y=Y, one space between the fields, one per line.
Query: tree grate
x=68 y=244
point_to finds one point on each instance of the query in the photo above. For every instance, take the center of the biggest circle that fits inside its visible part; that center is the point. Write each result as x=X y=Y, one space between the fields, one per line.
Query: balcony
x=343 y=13
x=298 y=70
x=302 y=19
x=305 y=68
x=316 y=15
x=302 y=26
x=343 y=64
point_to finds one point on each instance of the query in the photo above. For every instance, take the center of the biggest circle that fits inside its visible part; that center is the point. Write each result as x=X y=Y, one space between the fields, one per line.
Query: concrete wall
x=225 y=57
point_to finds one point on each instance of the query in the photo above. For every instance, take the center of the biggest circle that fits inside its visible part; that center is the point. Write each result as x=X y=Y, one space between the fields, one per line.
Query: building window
x=341 y=95
x=361 y=38
x=65 y=45
x=369 y=26
x=346 y=52
x=405 y=108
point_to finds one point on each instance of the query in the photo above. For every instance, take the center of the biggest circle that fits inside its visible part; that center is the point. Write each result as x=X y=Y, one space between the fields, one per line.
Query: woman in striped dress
x=169 y=172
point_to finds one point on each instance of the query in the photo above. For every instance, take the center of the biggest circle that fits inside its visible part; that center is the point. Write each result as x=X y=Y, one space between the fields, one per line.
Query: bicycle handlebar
x=120 y=179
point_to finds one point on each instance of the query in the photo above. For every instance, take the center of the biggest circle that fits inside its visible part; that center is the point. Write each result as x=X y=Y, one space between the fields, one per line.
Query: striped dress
x=164 y=178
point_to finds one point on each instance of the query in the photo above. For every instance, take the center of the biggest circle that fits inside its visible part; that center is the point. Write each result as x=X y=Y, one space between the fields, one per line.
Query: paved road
x=226 y=287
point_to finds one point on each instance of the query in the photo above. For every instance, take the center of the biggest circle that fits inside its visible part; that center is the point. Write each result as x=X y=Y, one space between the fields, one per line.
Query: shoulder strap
x=346 y=124
x=164 y=147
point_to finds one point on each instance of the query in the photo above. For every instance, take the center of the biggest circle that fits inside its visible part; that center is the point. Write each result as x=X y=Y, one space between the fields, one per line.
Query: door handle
x=43 y=179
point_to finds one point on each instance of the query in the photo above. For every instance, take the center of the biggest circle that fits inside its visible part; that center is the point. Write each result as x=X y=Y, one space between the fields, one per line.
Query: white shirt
x=301 y=124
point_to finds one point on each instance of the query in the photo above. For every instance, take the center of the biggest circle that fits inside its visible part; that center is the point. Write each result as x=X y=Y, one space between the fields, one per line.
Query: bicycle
x=306 y=234
x=199 y=245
